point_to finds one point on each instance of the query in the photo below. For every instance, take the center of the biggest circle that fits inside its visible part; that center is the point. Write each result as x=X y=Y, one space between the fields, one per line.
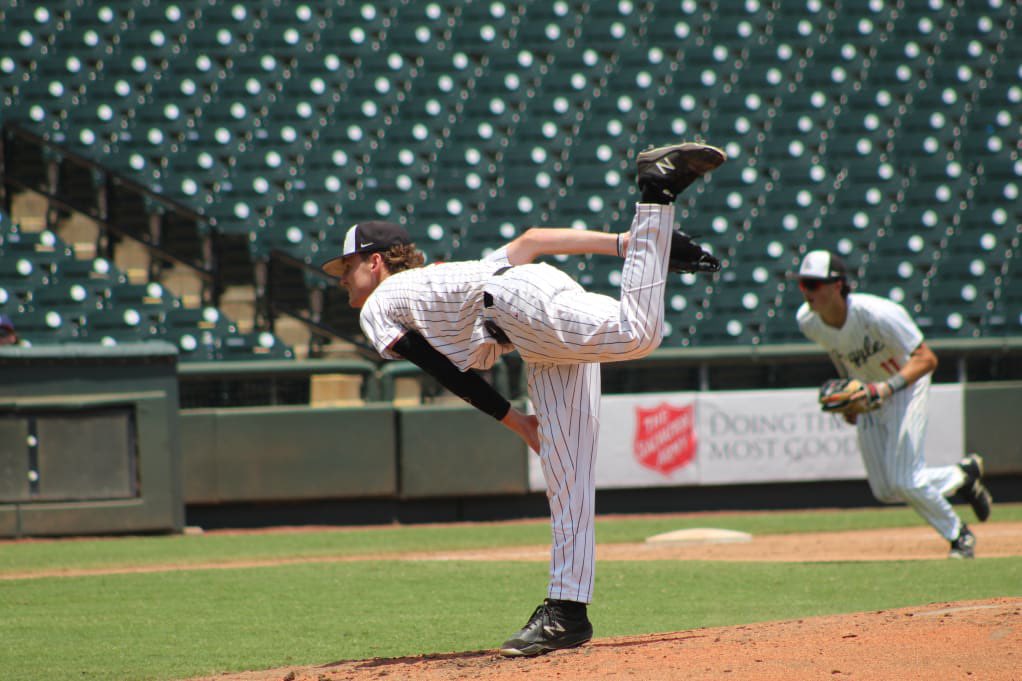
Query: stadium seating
x=889 y=134
x=54 y=297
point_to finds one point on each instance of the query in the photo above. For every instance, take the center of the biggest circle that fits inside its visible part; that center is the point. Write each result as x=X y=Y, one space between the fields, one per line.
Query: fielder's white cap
x=822 y=265
x=368 y=237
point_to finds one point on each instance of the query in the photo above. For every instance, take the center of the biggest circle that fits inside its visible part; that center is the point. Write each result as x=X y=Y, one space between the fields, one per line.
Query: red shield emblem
x=665 y=437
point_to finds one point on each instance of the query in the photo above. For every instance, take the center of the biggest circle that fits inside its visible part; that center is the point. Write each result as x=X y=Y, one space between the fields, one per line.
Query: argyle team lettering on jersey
x=875 y=342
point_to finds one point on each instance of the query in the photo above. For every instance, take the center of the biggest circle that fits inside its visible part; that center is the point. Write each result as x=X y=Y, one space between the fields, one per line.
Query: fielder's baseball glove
x=849 y=396
x=688 y=256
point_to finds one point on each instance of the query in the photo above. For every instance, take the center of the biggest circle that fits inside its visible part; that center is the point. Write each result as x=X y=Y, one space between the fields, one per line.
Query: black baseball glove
x=688 y=256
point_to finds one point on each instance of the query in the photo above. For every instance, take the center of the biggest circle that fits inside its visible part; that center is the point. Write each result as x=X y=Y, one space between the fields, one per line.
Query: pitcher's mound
x=700 y=535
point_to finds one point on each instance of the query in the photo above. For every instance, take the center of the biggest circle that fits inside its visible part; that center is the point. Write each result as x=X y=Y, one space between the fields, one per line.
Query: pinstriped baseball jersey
x=443 y=302
x=562 y=332
x=875 y=342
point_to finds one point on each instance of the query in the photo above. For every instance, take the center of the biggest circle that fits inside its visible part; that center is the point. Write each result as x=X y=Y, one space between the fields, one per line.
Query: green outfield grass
x=176 y=624
x=192 y=550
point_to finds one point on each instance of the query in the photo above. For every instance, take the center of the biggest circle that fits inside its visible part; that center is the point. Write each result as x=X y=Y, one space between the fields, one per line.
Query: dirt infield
x=962 y=640
x=909 y=543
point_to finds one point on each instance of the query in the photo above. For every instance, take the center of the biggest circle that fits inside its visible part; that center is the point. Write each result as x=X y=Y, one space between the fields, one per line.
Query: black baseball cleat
x=555 y=625
x=973 y=490
x=665 y=172
x=688 y=256
x=965 y=545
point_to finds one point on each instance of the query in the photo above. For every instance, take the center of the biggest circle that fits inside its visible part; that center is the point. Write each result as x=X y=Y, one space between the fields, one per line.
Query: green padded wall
x=80 y=393
x=992 y=424
x=451 y=450
x=288 y=453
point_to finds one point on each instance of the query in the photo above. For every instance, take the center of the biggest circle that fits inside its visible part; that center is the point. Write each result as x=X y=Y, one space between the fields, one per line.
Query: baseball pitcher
x=451 y=318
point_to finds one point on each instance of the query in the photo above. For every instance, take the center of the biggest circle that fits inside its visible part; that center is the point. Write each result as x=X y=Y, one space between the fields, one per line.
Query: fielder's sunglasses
x=813 y=284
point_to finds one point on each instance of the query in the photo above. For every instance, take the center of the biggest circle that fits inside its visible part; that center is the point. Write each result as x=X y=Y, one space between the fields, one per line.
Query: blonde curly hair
x=402 y=257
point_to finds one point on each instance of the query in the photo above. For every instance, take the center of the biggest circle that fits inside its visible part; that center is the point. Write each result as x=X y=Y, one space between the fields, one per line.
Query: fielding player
x=875 y=341
x=449 y=318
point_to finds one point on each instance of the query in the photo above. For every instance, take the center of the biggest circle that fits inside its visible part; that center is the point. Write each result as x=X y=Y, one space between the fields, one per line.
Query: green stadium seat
x=613 y=26
x=685 y=308
x=588 y=173
x=596 y=209
x=518 y=209
x=680 y=20
x=927 y=25
x=294 y=232
x=483 y=137
x=113 y=326
x=359 y=28
x=616 y=119
x=422 y=32
x=437 y=225
x=820 y=110
x=802 y=25
x=46 y=327
x=972 y=47
x=995 y=204
x=564 y=98
x=382 y=87
x=148 y=301
x=474 y=188
x=255 y=345
x=769 y=71
x=291 y=31
x=839 y=64
x=782 y=325
x=905 y=260
x=29 y=32
x=900 y=70
x=867 y=27
x=718 y=327
x=549 y=27
x=993 y=123
x=741 y=24
x=1006 y=317
x=474 y=241
x=958 y=307
x=224 y=31
x=486 y=26
x=68 y=299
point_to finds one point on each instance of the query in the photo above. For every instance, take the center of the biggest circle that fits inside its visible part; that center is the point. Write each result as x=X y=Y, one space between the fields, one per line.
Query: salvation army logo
x=665 y=437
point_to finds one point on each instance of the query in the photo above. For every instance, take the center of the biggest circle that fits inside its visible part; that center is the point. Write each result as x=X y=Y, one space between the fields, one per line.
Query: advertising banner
x=733 y=437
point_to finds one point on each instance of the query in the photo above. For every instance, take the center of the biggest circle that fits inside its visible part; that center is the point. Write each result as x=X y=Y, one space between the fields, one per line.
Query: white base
x=700 y=535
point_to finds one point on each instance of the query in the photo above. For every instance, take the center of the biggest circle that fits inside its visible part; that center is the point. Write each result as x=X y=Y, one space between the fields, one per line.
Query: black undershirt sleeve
x=468 y=385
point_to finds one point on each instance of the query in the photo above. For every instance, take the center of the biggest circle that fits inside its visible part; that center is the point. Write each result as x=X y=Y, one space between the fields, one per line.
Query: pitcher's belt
x=491 y=326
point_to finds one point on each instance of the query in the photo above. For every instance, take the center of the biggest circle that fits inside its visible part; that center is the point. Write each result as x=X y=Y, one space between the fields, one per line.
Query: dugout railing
x=736 y=367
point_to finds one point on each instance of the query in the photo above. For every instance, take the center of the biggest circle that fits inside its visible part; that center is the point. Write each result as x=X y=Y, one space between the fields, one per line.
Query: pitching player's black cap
x=822 y=265
x=369 y=237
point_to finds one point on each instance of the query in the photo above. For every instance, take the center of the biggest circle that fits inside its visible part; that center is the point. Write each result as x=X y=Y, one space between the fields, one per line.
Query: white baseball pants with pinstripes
x=562 y=333
x=891 y=441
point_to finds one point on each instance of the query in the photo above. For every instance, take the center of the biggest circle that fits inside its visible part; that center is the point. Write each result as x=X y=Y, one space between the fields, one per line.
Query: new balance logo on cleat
x=665 y=172
x=554 y=629
x=555 y=625
x=665 y=166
